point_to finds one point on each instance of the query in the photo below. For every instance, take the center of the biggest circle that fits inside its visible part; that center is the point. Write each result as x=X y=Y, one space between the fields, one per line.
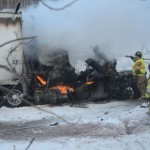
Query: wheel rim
x=129 y=91
x=126 y=92
x=14 y=98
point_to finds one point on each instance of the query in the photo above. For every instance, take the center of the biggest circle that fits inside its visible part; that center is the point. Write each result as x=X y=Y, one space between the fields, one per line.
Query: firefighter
x=147 y=94
x=138 y=71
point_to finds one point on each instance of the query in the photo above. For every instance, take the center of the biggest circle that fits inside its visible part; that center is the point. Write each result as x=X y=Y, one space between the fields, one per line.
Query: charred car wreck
x=56 y=82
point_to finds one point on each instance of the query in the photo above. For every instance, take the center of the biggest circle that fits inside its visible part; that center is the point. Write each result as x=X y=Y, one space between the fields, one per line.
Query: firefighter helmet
x=138 y=54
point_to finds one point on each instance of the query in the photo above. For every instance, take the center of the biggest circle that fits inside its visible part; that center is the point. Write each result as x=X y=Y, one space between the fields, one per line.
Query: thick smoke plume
x=118 y=27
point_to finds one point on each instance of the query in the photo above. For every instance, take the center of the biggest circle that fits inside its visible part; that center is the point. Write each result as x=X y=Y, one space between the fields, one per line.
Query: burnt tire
x=125 y=92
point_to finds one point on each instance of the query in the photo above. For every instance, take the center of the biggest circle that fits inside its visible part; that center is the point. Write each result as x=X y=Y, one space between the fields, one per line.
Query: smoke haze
x=119 y=27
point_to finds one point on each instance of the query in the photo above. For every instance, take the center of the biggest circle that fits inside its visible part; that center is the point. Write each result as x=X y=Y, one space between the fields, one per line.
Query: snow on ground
x=115 y=113
x=111 y=112
x=132 y=142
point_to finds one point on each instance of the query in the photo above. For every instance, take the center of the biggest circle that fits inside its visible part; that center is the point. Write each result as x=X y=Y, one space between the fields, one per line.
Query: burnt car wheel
x=14 y=98
x=125 y=92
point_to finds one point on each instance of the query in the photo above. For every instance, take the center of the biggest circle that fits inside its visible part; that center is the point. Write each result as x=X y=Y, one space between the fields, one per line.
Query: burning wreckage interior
x=56 y=82
x=51 y=79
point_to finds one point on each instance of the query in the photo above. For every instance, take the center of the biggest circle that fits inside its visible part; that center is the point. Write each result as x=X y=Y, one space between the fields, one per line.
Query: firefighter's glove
x=132 y=58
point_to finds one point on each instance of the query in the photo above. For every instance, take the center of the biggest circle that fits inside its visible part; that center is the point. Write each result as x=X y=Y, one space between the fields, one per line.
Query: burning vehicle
x=56 y=82
x=27 y=75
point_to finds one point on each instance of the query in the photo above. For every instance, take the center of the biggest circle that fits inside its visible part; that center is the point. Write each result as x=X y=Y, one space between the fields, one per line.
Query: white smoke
x=119 y=27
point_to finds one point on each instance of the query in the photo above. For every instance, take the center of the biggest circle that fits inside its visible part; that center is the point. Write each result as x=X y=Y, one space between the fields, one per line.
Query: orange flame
x=42 y=81
x=89 y=82
x=62 y=89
